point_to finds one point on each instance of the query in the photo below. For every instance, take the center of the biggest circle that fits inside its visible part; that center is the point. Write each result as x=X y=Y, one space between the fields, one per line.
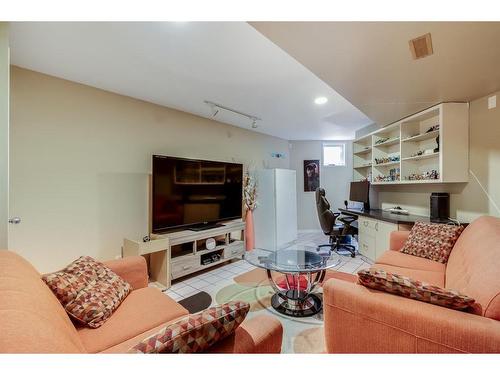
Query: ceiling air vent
x=421 y=46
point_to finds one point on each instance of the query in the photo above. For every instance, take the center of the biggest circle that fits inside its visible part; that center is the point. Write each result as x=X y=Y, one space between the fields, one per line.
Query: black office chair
x=336 y=232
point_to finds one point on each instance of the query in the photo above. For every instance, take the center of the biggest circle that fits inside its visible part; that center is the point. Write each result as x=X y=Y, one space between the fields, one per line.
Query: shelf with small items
x=387 y=174
x=391 y=182
x=422 y=137
x=387 y=142
x=380 y=179
x=387 y=167
x=362 y=172
x=386 y=157
x=363 y=151
x=363 y=166
x=409 y=182
x=421 y=169
x=422 y=156
x=422 y=177
x=362 y=158
x=386 y=164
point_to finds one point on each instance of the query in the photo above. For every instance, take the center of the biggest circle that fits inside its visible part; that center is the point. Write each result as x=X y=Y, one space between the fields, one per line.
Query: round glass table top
x=300 y=259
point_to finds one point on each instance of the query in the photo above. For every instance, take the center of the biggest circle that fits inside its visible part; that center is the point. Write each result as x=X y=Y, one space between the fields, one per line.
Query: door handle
x=15 y=220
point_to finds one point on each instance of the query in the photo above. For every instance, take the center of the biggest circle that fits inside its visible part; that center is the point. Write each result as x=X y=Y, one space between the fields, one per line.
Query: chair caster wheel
x=353 y=255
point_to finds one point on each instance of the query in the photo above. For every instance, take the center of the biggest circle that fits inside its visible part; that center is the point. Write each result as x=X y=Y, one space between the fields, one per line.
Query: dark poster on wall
x=311 y=175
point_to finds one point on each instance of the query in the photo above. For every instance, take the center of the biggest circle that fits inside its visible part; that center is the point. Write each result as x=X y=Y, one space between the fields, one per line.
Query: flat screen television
x=194 y=194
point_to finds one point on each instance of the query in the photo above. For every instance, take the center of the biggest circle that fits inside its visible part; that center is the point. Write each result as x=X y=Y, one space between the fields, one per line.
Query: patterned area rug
x=301 y=335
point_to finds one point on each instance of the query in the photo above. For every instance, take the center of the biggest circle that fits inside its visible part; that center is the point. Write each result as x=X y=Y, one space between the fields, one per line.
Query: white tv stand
x=177 y=254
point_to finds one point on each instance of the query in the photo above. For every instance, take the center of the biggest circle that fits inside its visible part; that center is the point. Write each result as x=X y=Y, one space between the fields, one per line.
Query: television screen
x=190 y=192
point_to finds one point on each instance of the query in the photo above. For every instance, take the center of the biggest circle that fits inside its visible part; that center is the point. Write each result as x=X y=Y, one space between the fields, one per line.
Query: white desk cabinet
x=374 y=236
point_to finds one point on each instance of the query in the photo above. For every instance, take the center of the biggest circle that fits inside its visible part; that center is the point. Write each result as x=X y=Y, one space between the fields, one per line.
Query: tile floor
x=210 y=281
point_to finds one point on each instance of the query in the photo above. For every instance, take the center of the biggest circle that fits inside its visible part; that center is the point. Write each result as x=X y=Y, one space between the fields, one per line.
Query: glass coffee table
x=303 y=269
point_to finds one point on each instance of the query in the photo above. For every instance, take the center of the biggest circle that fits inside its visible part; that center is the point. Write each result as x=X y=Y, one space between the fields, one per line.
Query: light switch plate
x=492 y=102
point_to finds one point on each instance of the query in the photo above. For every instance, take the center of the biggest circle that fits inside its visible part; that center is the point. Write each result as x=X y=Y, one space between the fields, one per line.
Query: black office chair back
x=325 y=215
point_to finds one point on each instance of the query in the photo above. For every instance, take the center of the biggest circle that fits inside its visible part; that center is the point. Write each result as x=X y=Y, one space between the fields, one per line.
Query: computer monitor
x=360 y=192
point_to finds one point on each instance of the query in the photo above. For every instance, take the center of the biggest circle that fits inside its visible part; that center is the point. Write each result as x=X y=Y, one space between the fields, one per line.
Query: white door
x=4 y=135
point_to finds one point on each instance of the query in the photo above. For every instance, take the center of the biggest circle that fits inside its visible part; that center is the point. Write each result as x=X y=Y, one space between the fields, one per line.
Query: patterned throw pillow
x=196 y=332
x=432 y=241
x=89 y=291
x=409 y=288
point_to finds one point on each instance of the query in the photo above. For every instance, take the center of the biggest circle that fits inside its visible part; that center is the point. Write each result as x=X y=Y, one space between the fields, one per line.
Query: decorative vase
x=249 y=231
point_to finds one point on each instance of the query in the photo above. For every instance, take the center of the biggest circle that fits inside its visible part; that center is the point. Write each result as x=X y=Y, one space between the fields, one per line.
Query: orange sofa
x=33 y=321
x=362 y=320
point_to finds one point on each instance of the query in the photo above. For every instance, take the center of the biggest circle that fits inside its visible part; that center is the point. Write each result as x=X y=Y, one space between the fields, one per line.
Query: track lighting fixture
x=217 y=107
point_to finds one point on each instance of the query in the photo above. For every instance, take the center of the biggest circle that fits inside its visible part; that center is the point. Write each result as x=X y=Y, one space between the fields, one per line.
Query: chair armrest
x=347 y=219
x=398 y=239
x=132 y=269
x=260 y=334
x=362 y=320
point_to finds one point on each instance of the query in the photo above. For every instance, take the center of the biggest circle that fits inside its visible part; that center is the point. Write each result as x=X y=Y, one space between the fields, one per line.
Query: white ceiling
x=370 y=63
x=181 y=64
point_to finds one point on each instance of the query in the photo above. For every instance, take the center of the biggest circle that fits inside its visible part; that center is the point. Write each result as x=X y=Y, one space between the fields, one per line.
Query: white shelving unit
x=362 y=158
x=413 y=147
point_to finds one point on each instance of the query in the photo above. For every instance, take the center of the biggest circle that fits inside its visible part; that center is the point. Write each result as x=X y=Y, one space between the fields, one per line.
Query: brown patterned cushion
x=89 y=291
x=409 y=288
x=432 y=241
x=196 y=332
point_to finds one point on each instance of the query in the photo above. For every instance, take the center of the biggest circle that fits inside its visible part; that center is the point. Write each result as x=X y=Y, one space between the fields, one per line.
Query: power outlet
x=492 y=102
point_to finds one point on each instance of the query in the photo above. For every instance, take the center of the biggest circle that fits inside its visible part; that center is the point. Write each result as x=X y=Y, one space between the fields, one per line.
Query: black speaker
x=440 y=207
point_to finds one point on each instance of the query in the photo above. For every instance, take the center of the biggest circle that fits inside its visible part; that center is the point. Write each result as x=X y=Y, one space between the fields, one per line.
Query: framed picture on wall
x=311 y=175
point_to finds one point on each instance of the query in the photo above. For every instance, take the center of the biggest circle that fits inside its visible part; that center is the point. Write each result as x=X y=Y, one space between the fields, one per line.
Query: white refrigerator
x=275 y=217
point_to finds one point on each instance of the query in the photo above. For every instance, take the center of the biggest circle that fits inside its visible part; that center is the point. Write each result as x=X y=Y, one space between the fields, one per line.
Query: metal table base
x=293 y=300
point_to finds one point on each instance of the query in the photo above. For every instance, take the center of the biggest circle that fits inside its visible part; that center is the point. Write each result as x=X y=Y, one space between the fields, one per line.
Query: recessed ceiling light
x=320 y=100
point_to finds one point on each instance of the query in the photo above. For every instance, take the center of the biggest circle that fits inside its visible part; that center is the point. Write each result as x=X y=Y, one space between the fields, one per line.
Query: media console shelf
x=177 y=254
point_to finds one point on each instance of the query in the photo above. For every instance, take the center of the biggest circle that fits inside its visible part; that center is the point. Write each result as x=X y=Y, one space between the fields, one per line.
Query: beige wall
x=81 y=157
x=335 y=180
x=467 y=200
x=4 y=133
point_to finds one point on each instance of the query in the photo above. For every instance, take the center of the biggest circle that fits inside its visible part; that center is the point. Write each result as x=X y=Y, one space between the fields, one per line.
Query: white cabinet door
x=367 y=246
x=374 y=236
x=367 y=237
